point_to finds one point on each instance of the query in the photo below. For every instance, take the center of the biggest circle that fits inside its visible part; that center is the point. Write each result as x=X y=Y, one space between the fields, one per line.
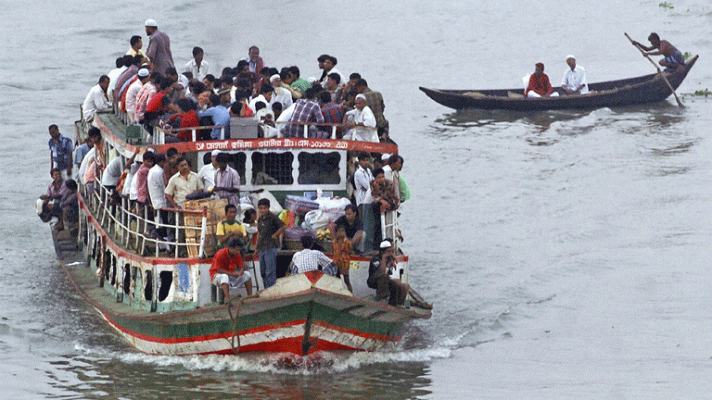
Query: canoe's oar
x=660 y=72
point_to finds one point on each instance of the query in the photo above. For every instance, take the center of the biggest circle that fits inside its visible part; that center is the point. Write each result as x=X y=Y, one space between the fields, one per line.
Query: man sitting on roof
x=228 y=270
x=97 y=99
x=673 y=57
x=539 y=85
x=362 y=121
x=220 y=115
x=306 y=110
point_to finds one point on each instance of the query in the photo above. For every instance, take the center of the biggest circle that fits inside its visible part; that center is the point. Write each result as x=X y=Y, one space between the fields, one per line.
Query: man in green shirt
x=230 y=227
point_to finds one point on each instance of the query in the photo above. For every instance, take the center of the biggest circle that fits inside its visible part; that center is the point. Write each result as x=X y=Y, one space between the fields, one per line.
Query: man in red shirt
x=223 y=273
x=539 y=85
x=188 y=119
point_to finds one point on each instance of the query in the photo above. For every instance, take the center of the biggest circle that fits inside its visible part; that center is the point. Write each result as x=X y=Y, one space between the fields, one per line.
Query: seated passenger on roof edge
x=539 y=85
x=306 y=110
x=333 y=114
x=673 y=60
x=97 y=100
x=361 y=121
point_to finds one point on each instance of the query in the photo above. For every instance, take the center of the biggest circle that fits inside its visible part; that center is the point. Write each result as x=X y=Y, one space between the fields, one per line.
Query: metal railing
x=130 y=223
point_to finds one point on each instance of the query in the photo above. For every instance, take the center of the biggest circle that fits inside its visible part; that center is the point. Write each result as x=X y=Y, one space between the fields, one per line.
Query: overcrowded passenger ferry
x=150 y=272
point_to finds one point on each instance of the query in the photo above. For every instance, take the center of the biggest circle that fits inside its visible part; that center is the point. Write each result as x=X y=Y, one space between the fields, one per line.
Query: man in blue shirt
x=79 y=153
x=60 y=156
x=220 y=115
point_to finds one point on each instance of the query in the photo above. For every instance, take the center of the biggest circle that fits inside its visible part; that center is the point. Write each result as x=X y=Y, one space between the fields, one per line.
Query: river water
x=567 y=253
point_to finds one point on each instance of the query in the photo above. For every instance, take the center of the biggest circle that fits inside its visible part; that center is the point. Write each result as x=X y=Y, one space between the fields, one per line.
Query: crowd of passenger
x=161 y=183
x=148 y=87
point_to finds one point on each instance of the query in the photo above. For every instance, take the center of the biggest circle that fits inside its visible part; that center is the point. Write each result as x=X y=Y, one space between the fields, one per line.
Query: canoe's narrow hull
x=640 y=90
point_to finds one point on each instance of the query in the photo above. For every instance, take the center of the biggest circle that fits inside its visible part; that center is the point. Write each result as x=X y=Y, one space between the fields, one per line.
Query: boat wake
x=279 y=363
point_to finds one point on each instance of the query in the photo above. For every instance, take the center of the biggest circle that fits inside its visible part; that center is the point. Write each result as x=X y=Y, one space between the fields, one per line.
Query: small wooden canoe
x=644 y=89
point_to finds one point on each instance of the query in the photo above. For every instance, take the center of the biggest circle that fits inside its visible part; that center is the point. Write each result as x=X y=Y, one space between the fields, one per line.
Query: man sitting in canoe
x=574 y=81
x=673 y=57
x=539 y=85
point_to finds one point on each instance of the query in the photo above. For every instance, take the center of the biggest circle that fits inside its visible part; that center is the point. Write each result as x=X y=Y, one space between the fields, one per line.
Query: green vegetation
x=667 y=5
x=687 y=56
x=703 y=92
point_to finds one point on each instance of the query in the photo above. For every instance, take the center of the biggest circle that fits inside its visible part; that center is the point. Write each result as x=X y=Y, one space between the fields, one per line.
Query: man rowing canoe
x=673 y=57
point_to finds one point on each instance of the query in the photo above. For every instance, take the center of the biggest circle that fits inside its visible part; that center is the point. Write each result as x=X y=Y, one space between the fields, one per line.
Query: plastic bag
x=316 y=220
x=274 y=206
x=333 y=206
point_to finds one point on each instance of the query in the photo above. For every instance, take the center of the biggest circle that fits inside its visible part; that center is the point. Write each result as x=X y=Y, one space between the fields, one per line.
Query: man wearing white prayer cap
x=281 y=93
x=159 y=48
x=574 y=81
x=362 y=121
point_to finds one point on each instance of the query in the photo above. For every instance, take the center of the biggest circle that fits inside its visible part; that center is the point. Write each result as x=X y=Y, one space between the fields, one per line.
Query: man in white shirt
x=362 y=121
x=207 y=173
x=156 y=184
x=122 y=64
x=97 y=99
x=266 y=96
x=197 y=66
x=281 y=94
x=392 y=170
x=132 y=92
x=112 y=172
x=363 y=179
x=329 y=68
x=574 y=81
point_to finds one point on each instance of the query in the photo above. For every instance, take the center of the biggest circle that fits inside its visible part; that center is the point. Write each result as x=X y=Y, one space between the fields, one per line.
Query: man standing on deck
x=159 y=48
x=269 y=228
x=227 y=181
x=574 y=81
x=182 y=184
x=207 y=173
x=673 y=57
x=60 y=152
x=97 y=99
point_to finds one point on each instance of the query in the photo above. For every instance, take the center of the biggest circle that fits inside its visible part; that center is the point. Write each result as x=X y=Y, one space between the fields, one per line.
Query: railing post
x=203 y=229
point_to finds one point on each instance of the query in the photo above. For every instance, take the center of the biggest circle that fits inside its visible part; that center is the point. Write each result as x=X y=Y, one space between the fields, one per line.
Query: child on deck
x=341 y=248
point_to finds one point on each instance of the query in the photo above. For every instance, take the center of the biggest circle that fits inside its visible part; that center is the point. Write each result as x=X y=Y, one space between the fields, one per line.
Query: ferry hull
x=302 y=314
